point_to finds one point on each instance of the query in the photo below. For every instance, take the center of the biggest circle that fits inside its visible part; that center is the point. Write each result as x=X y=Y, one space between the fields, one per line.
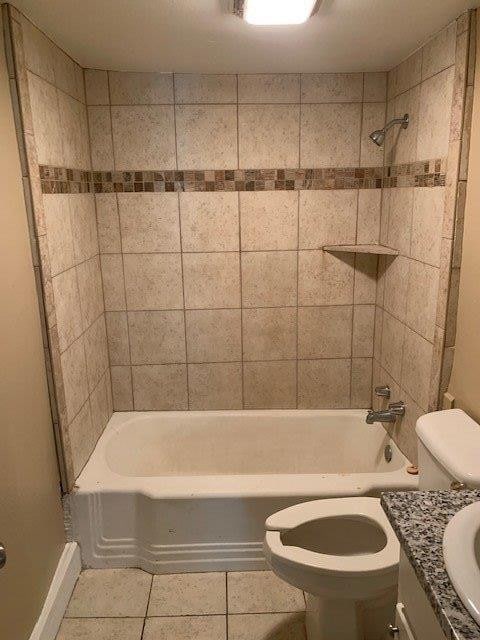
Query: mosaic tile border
x=429 y=173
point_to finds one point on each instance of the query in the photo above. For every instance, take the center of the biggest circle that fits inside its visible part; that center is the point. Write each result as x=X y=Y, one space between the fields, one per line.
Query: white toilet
x=343 y=552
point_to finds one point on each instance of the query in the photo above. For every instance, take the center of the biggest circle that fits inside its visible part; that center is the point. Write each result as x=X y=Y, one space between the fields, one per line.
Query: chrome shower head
x=378 y=136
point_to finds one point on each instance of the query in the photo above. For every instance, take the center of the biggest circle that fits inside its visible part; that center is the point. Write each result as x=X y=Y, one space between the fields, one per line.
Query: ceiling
x=204 y=36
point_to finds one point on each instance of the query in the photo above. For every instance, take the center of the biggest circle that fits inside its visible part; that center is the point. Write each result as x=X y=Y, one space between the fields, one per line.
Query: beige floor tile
x=186 y=628
x=261 y=591
x=267 y=626
x=188 y=594
x=100 y=629
x=109 y=593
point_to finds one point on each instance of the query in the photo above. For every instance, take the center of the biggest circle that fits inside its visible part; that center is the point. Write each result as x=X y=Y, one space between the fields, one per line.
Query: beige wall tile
x=373 y=118
x=209 y=221
x=361 y=383
x=160 y=387
x=74 y=127
x=214 y=335
x=38 y=51
x=143 y=137
x=117 y=335
x=369 y=209
x=439 y=52
x=396 y=286
x=96 y=353
x=100 y=127
x=324 y=384
x=401 y=144
x=400 y=208
x=205 y=88
x=149 y=222
x=91 y=291
x=365 y=287
x=363 y=331
x=406 y=75
x=269 y=220
x=327 y=217
x=140 y=88
x=269 y=334
x=330 y=135
x=211 y=280
x=268 y=136
x=325 y=332
x=422 y=299
x=66 y=75
x=82 y=438
x=270 y=385
x=156 y=337
x=153 y=281
x=113 y=282
x=84 y=226
x=416 y=365
x=206 y=136
x=325 y=278
x=269 y=88
x=269 y=279
x=428 y=207
x=215 y=386
x=74 y=373
x=375 y=86
x=393 y=336
x=332 y=87
x=108 y=226
x=377 y=338
x=67 y=307
x=46 y=121
x=101 y=404
x=434 y=115
x=59 y=232
x=122 y=388
x=96 y=86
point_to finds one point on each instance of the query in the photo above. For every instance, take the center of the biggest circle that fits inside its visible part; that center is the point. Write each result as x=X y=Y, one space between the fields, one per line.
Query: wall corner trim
x=63 y=582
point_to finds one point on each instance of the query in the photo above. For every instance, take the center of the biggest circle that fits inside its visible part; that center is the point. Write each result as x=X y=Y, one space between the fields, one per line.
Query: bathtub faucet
x=395 y=409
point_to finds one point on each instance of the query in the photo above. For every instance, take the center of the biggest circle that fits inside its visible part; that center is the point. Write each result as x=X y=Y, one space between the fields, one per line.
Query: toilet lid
x=368 y=508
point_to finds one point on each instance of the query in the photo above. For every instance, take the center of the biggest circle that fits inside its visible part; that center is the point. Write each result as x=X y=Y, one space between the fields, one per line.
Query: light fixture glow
x=271 y=12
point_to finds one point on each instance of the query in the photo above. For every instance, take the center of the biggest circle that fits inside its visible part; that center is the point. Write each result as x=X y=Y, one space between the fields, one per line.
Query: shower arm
x=403 y=121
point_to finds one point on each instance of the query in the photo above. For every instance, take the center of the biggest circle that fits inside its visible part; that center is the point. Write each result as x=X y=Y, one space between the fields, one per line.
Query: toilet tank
x=448 y=450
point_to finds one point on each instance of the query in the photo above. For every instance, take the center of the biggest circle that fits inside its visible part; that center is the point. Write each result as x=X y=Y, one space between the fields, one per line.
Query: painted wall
x=464 y=384
x=30 y=506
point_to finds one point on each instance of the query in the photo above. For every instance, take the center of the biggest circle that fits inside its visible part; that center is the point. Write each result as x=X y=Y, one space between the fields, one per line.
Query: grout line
x=184 y=305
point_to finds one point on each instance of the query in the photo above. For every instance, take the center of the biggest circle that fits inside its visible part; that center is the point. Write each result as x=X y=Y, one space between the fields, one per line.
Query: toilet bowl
x=344 y=554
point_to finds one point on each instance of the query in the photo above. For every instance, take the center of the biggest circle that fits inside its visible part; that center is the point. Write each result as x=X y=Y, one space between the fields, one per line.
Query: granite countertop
x=419 y=519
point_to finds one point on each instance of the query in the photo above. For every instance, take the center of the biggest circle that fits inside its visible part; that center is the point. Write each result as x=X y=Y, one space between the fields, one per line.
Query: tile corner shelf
x=375 y=249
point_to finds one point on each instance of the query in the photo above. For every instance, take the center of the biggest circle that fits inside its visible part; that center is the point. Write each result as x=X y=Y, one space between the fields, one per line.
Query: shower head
x=378 y=136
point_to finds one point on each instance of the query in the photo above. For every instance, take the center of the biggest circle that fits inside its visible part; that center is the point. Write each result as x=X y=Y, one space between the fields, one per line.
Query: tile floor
x=129 y=604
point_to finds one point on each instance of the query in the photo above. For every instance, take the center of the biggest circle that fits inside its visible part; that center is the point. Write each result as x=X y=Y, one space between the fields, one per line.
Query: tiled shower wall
x=224 y=299
x=417 y=291
x=49 y=102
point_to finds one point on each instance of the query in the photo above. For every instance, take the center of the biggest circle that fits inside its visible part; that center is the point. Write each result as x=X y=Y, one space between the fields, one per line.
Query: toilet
x=343 y=552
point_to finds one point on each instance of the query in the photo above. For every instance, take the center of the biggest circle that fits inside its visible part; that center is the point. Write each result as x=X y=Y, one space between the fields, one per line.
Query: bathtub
x=190 y=491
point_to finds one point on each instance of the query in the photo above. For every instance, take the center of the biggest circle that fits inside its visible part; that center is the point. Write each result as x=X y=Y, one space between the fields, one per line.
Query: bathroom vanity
x=428 y=606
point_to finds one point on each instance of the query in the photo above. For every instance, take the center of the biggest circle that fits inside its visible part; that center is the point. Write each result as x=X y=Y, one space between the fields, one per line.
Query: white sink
x=461 y=551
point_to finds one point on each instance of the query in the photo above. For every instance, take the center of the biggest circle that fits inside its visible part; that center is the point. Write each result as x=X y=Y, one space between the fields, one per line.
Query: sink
x=461 y=551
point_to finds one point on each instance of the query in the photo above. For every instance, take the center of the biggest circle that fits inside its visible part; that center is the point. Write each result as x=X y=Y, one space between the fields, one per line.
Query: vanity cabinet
x=414 y=617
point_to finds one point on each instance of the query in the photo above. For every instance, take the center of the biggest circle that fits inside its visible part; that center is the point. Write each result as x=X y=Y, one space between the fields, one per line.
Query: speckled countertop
x=419 y=519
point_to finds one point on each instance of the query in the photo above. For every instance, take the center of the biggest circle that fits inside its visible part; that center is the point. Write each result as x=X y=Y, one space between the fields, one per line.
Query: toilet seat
x=316 y=564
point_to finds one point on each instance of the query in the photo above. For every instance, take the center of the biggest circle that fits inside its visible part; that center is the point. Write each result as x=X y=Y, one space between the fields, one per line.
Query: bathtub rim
x=97 y=476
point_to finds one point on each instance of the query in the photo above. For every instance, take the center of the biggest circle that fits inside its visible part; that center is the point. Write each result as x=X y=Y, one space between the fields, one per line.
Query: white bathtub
x=190 y=491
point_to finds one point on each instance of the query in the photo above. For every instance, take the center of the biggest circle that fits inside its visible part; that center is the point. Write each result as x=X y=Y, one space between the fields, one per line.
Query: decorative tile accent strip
x=417 y=174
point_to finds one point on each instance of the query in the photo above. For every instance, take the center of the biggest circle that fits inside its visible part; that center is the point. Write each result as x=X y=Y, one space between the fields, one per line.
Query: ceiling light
x=271 y=12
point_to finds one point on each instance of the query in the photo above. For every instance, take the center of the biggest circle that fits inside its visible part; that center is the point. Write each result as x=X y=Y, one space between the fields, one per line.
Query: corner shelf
x=374 y=249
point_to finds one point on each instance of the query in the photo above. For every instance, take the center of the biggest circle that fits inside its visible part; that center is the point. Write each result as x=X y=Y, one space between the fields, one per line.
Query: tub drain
x=388 y=453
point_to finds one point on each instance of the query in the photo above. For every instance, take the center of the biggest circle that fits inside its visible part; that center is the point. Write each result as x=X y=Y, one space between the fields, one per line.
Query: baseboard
x=61 y=587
